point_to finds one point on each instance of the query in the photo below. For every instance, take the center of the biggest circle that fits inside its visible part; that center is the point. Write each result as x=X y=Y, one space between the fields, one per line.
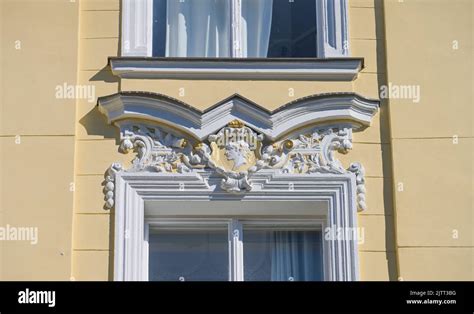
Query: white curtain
x=256 y=27
x=198 y=28
x=202 y=28
x=295 y=256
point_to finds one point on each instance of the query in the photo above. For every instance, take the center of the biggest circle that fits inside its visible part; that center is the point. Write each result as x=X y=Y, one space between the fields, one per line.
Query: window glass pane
x=188 y=255
x=279 y=28
x=280 y=254
x=191 y=28
x=256 y=24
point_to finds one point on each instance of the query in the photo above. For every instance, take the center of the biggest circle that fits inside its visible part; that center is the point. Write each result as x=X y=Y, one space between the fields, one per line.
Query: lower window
x=233 y=249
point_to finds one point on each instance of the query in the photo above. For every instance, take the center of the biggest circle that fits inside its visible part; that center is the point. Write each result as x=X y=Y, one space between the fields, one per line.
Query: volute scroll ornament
x=236 y=152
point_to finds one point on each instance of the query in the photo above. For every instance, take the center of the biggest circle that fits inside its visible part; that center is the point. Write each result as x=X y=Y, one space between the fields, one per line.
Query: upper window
x=234 y=28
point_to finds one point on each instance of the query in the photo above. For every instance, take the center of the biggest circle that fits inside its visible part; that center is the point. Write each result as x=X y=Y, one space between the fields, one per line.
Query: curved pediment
x=351 y=109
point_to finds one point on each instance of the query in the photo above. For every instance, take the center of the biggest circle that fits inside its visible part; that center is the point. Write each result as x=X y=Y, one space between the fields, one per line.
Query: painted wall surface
x=430 y=44
x=38 y=51
x=407 y=234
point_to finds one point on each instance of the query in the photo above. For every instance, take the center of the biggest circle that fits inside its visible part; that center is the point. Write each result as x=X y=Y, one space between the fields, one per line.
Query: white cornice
x=329 y=69
x=350 y=108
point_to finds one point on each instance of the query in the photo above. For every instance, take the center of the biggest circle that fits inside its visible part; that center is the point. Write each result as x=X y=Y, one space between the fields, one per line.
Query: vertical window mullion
x=236 y=251
x=236 y=19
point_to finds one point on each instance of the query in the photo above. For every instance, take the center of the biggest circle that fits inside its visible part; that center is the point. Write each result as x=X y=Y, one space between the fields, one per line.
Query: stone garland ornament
x=359 y=171
x=109 y=184
x=235 y=152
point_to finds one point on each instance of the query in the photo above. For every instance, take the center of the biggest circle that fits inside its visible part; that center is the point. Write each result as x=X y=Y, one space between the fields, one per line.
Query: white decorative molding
x=340 y=69
x=359 y=171
x=136 y=189
x=240 y=146
x=236 y=153
x=156 y=149
x=109 y=185
x=137 y=28
x=332 y=28
x=323 y=109
x=313 y=153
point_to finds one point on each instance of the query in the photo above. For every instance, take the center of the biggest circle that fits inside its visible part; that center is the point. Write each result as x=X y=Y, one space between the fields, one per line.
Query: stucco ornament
x=359 y=171
x=109 y=184
x=156 y=149
x=235 y=153
x=309 y=153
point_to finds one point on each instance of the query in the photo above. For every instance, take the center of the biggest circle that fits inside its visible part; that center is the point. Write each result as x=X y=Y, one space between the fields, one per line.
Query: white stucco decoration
x=355 y=110
x=331 y=22
x=235 y=151
x=245 y=145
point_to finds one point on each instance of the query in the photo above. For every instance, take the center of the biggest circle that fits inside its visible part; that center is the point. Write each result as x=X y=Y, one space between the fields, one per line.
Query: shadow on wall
x=94 y=122
x=386 y=149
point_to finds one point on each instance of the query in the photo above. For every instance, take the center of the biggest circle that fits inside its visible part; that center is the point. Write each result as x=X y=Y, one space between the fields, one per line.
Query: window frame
x=236 y=236
x=331 y=35
x=135 y=190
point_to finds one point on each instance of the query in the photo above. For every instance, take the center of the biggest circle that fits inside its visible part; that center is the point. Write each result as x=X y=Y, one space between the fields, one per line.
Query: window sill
x=328 y=69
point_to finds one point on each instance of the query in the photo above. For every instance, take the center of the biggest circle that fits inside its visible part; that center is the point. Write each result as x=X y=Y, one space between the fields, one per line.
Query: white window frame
x=134 y=189
x=332 y=28
x=236 y=236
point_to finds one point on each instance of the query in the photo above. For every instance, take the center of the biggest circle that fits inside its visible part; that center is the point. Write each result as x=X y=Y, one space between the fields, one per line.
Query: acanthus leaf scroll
x=236 y=152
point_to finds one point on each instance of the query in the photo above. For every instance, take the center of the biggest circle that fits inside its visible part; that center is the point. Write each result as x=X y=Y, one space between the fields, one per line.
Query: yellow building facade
x=56 y=146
